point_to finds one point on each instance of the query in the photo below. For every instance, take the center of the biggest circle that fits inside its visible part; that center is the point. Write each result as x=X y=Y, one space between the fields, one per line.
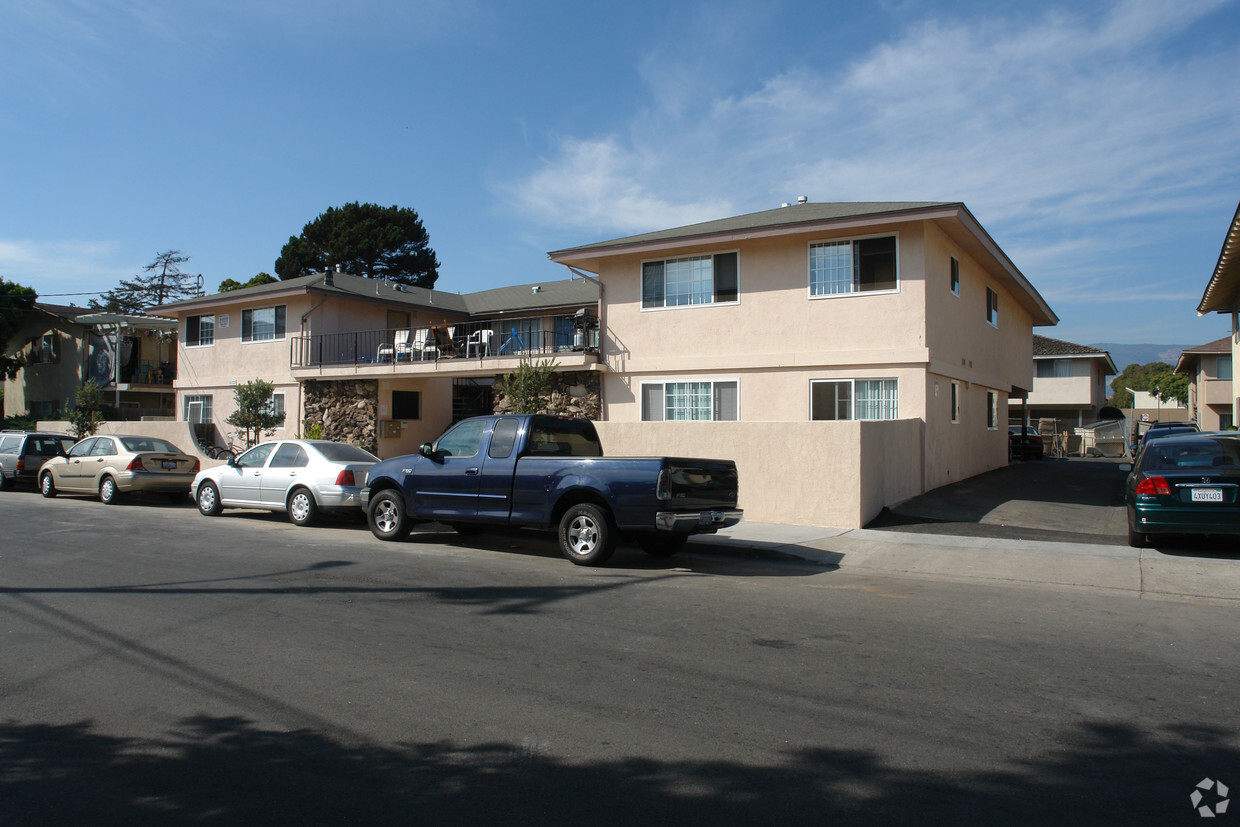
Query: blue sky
x=1098 y=143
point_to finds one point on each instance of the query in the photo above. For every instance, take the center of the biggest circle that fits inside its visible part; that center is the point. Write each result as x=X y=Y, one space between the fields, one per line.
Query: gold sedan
x=114 y=465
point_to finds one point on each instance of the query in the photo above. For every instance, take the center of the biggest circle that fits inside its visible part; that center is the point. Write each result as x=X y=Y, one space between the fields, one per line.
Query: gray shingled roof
x=519 y=297
x=781 y=216
x=1222 y=345
x=525 y=297
x=1045 y=347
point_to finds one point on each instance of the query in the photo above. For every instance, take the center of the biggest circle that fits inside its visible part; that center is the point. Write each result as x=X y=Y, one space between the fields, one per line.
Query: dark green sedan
x=1184 y=485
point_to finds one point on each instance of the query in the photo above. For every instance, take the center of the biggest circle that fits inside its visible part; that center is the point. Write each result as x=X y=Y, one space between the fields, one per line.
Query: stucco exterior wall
x=48 y=382
x=806 y=473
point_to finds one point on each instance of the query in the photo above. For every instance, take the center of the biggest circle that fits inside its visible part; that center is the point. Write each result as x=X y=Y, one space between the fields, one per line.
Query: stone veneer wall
x=572 y=394
x=348 y=410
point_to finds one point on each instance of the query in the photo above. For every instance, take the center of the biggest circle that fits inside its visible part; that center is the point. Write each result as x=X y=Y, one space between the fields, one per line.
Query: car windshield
x=343 y=452
x=148 y=444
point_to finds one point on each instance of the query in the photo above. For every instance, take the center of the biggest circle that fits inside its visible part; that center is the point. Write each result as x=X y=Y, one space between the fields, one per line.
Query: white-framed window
x=992 y=307
x=679 y=282
x=955 y=282
x=707 y=400
x=955 y=401
x=275 y=405
x=832 y=399
x=200 y=330
x=196 y=407
x=1053 y=368
x=863 y=265
x=262 y=324
x=992 y=410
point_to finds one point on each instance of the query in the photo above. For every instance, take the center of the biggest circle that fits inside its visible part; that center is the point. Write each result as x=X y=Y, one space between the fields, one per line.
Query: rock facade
x=348 y=410
x=572 y=394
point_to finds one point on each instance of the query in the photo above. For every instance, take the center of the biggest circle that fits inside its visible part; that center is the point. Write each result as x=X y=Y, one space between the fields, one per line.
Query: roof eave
x=1222 y=293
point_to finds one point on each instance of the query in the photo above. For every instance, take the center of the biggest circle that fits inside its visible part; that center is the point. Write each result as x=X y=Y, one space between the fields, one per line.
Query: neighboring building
x=1222 y=295
x=63 y=347
x=846 y=356
x=1210 y=394
x=1146 y=407
x=1069 y=384
x=381 y=365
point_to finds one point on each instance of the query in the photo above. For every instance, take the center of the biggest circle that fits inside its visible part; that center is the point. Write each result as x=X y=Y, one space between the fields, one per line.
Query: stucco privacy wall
x=807 y=473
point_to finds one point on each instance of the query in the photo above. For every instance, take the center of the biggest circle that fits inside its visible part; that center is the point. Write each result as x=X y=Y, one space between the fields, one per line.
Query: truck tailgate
x=697 y=484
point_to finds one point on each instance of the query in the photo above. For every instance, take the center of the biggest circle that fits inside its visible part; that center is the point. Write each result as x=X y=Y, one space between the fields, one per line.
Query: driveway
x=1075 y=500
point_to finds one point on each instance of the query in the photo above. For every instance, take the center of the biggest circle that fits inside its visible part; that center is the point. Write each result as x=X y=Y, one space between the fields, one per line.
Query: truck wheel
x=387 y=516
x=660 y=545
x=587 y=536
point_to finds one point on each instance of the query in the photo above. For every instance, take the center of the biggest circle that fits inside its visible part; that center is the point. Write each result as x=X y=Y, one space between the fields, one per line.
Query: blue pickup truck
x=549 y=472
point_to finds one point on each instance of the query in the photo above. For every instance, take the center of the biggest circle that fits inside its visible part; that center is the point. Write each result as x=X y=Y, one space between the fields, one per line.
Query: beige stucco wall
x=436 y=413
x=49 y=382
x=806 y=473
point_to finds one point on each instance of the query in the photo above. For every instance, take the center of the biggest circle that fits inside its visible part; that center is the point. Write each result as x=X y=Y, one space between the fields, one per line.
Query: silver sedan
x=299 y=476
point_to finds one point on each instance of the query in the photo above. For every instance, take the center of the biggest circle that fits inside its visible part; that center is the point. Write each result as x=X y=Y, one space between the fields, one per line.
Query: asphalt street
x=164 y=667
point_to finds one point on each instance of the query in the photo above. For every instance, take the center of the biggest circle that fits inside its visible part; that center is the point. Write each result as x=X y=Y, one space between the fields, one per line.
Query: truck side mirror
x=427 y=451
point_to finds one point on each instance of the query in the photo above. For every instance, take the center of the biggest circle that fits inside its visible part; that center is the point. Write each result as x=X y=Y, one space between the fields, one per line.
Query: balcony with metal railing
x=460 y=348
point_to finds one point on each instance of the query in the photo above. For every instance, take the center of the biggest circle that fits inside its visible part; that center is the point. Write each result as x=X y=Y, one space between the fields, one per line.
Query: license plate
x=1207 y=495
x=169 y=465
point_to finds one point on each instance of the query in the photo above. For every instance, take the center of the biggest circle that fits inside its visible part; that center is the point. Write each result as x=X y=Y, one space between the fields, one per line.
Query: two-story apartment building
x=131 y=357
x=1069 y=384
x=1222 y=295
x=382 y=365
x=1210 y=394
x=846 y=356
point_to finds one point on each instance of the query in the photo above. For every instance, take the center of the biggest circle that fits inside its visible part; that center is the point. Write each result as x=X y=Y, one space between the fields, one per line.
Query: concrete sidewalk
x=1181 y=571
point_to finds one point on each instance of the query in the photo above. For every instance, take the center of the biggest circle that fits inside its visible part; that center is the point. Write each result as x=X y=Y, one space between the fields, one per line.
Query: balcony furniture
x=444 y=343
x=479 y=342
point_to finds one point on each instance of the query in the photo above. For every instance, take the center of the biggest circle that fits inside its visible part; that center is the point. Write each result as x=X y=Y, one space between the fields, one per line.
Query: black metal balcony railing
x=458 y=340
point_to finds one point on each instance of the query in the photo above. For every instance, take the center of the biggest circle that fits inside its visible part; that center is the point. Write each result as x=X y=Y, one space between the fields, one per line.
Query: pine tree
x=164 y=282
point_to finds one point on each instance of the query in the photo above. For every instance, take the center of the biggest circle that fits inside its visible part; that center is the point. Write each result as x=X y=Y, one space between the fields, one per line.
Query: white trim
x=663 y=383
x=641 y=283
x=809 y=287
x=852 y=382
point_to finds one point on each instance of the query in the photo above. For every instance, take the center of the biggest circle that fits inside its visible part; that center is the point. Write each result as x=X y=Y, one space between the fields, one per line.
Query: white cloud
x=62 y=266
x=1045 y=127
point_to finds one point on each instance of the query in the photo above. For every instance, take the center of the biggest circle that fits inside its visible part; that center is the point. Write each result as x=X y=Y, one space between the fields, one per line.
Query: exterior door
x=446 y=487
x=241 y=482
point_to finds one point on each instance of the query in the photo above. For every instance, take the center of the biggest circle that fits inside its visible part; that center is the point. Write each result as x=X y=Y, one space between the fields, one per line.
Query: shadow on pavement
x=228 y=770
x=1059 y=500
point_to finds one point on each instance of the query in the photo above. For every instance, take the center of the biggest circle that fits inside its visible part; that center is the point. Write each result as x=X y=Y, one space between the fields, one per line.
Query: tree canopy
x=164 y=282
x=15 y=302
x=255 y=414
x=366 y=240
x=1158 y=378
x=228 y=285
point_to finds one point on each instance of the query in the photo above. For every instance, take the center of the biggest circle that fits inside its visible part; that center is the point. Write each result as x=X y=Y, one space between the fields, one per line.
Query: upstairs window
x=676 y=282
x=867 y=265
x=1053 y=368
x=263 y=324
x=1222 y=367
x=689 y=401
x=955 y=283
x=200 y=330
x=992 y=307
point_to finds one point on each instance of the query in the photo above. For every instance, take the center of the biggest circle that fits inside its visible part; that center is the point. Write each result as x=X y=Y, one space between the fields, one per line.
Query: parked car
x=111 y=466
x=22 y=453
x=549 y=472
x=1184 y=484
x=1024 y=442
x=1175 y=427
x=299 y=476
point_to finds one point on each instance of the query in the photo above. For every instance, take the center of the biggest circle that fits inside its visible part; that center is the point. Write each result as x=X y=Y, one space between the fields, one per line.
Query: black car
x=1025 y=443
x=1183 y=485
x=1174 y=427
x=21 y=454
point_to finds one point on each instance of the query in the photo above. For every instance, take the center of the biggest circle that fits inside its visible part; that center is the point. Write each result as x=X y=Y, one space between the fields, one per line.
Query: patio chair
x=423 y=344
x=480 y=342
x=444 y=343
x=400 y=344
